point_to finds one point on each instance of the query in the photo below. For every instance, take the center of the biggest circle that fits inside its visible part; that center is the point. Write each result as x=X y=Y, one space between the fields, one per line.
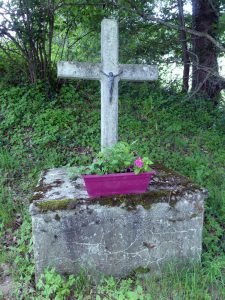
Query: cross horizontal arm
x=138 y=72
x=79 y=70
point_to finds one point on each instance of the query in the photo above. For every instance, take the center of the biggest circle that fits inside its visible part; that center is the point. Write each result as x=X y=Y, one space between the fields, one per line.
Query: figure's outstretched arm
x=118 y=74
x=104 y=73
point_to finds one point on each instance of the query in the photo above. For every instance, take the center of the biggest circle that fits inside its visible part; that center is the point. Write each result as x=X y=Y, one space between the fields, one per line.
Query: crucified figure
x=111 y=77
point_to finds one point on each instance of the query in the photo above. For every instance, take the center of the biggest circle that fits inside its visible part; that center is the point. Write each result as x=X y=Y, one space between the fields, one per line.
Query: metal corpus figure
x=111 y=77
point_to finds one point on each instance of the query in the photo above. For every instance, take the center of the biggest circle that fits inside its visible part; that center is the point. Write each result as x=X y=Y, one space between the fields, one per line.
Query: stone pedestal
x=116 y=235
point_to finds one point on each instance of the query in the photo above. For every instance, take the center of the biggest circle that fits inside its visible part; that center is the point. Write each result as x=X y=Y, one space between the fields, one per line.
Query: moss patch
x=142 y=270
x=54 y=205
x=131 y=201
x=36 y=196
x=128 y=202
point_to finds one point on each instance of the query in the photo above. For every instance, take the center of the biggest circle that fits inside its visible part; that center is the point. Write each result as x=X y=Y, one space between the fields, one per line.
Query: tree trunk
x=185 y=54
x=205 y=77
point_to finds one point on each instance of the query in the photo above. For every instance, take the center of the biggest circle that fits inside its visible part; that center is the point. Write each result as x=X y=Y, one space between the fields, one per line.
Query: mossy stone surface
x=129 y=202
x=57 y=191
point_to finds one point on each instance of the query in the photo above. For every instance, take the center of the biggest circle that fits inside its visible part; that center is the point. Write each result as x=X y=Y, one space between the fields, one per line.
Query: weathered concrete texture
x=78 y=70
x=109 y=58
x=115 y=235
x=138 y=72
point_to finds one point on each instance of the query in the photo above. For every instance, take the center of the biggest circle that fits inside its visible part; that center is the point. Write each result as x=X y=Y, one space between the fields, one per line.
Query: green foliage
x=118 y=159
x=12 y=70
x=48 y=127
x=9 y=169
x=21 y=255
x=186 y=283
x=121 y=290
x=6 y=208
x=52 y=286
x=36 y=134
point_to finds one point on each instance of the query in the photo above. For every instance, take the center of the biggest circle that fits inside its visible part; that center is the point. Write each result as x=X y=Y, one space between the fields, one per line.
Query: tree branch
x=79 y=38
x=176 y=27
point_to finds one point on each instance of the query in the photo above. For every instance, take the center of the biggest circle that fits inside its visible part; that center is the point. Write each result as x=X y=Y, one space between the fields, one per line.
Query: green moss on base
x=36 y=196
x=142 y=270
x=131 y=201
x=139 y=272
x=53 y=205
x=128 y=202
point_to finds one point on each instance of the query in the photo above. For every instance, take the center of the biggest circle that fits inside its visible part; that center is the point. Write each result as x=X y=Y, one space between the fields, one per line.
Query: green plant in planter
x=118 y=159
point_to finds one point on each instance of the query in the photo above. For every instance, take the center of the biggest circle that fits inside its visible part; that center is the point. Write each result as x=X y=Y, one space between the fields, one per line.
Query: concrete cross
x=106 y=71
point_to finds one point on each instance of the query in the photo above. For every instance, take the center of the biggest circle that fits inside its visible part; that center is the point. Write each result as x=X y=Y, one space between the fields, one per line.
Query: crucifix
x=109 y=72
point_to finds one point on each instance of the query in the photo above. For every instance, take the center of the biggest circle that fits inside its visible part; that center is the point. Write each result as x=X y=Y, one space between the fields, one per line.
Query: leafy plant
x=118 y=159
x=53 y=286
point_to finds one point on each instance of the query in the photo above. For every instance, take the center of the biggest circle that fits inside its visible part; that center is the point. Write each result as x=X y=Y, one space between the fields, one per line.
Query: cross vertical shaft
x=109 y=109
x=108 y=71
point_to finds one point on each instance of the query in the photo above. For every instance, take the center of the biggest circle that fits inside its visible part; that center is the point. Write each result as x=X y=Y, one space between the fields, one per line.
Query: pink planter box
x=120 y=183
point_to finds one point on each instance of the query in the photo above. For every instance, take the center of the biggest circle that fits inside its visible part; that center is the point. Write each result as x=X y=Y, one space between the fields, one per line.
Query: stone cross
x=109 y=72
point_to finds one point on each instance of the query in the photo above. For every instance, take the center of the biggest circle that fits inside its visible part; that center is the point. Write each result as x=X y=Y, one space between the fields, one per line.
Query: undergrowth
x=36 y=133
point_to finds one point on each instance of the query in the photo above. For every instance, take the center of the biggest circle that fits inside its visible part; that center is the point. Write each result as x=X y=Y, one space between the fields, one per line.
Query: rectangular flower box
x=119 y=183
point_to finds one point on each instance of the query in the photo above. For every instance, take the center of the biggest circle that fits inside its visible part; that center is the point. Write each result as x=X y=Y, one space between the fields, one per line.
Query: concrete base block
x=115 y=235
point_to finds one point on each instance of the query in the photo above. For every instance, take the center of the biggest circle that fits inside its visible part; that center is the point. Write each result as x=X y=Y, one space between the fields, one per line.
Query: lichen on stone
x=173 y=178
x=42 y=187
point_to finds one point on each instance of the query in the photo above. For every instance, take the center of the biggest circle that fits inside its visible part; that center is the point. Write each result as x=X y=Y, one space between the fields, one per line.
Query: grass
x=36 y=133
